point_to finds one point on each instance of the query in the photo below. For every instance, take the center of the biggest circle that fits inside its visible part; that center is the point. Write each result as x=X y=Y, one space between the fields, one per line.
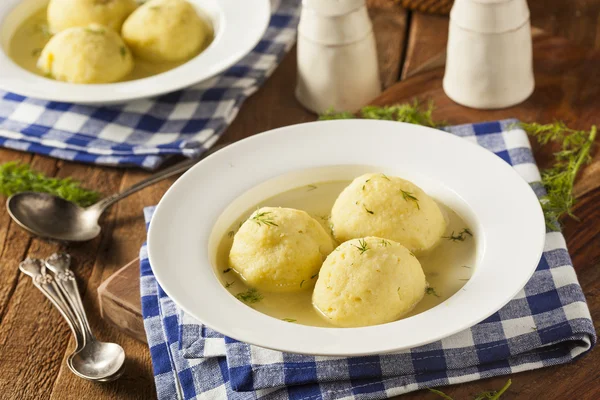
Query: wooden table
x=34 y=340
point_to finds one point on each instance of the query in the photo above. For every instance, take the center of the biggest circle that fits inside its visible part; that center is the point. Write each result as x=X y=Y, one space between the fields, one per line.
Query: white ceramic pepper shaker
x=489 y=56
x=337 y=56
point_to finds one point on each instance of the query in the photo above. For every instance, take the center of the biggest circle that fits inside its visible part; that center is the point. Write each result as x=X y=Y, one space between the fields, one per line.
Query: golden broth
x=32 y=35
x=447 y=267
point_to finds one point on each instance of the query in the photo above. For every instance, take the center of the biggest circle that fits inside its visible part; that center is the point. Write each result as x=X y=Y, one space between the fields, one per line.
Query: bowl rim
x=241 y=25
x=517 y=205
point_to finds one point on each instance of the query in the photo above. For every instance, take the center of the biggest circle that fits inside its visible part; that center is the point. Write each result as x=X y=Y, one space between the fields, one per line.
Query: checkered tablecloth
x=547 y=323
x=145 y=132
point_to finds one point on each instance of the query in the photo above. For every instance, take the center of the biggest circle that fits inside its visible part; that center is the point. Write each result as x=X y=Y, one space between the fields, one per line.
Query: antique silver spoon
x=46 y=283
x=52 y=217
x=95 y=360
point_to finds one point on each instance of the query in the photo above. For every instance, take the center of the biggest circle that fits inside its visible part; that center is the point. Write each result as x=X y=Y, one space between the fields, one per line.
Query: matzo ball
x=63 y=14
x=165 y=30
x=368 y=281
x=280 y=250
x=388 y=207
x=92 y=54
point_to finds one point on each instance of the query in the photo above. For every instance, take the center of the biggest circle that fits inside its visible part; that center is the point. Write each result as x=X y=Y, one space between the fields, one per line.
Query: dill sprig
x=288 y=320
x=230 y=234
x=460 y=237
x=362 y=246
x=409 y=196
x=228 y=284
x=367 y=210
x=413 y=113
x=490 y=395
x=264 y=218
x=575 y=148
x=16 y=177
x=226 y=270
x=250 y=296
x=384 y=243
x=431 y=290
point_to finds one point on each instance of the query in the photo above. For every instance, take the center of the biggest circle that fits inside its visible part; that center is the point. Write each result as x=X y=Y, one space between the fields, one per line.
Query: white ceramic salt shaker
x=489 y=57
x=337 y=57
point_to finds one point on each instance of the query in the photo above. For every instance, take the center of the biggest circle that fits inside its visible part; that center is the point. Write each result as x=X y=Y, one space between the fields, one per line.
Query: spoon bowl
x=98 y=361
x=50 y=216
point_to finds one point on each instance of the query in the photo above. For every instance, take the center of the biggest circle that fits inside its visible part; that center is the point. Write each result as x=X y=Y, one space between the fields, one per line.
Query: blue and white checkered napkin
x=145 y=132
x=547 y=323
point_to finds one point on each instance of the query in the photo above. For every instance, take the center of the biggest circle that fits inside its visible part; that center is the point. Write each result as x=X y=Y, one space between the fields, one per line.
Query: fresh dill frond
x=226 y=270
x=494 y=395
x=311 y=187
x=408 y=196
x=460 y=237
x=16 y=177
x=384 y=243
x=302 y=283
x=314 y=276
x=575 y=149
x=367 y=210
x=123 y=51
x=288 y=320
x=490 y=395
x=264 y=218
x=230 y=234
x=250 y=296
x=384 y=176
x=431 y=290
x=228 y=284
x=331 y=113
x=362 y=246
x=464 y=266
x=440 y=393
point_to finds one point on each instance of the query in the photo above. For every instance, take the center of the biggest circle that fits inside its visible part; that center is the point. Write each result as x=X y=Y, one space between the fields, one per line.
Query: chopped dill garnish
x=302 y=283
x=490 y=395
x=226 y=270
x=363 y=188
x=16 y=177
x=250 y=296
x=362 y=246
x=384 y=243
x=575 y=148
x=367 y=210
x=409 y=196
x=123 y=51
x=464 y=266
x=460 y=237
x=311 y=187
x=36 y=52
x=288 y=319
x=230 y=234
x=431 y=290
x=228 y=284
x=412 y=254
x=314 y=276
x=384 y=176
x=412 y=113
x=264 y=218
x=324 y=217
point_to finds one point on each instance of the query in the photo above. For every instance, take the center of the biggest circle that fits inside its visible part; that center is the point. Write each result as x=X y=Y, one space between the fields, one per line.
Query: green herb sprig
x=431 y=290
x=575 y=149
x=490 y=395
x=408 y=196
x=16 y=177
x=460 y=237
x=362 y=246
x=250 y=296
x=264 y=218
x=413 y=113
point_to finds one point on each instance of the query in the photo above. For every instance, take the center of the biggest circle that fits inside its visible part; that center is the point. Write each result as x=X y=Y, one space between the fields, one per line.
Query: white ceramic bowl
x=238 y=27
x=499 y=206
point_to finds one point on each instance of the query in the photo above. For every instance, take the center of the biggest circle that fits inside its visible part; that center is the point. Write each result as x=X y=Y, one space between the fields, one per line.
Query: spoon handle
x=59 y=264
x=159 y=176
x=47 y=285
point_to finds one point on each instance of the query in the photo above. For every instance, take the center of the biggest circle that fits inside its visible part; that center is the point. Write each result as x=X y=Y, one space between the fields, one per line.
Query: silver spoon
x=47 y=285
x=52 y=217
x=95 y=360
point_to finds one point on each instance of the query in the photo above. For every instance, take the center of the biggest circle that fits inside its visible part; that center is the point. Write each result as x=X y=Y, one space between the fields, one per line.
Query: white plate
x=238 y=25
x=498 y=205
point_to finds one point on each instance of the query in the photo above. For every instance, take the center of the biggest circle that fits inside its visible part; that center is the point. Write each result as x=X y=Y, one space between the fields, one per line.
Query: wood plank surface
x=34 y=341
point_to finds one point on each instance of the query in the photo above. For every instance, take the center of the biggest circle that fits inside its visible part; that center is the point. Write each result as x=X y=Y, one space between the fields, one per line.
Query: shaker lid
x=490 y=16
x=333 y=7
